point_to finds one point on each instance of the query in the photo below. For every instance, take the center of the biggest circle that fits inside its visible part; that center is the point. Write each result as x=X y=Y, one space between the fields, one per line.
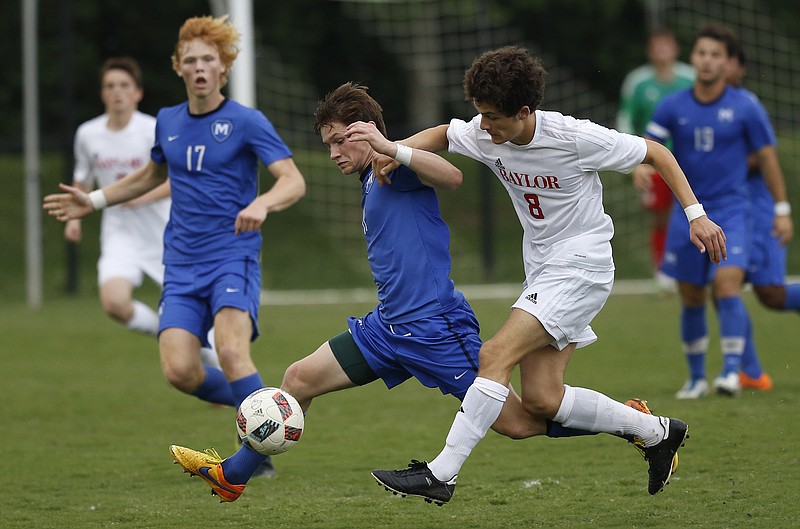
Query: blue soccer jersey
x=767 y=256
x=407 y=247
x=213 y=168
x=711 y=141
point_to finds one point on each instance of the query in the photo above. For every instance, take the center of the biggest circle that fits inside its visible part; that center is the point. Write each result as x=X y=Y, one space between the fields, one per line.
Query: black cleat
x=661 y=456
x=416 y=480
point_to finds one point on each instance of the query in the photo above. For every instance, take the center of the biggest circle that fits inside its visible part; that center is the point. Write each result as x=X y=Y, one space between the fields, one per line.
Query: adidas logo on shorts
x=532 y=297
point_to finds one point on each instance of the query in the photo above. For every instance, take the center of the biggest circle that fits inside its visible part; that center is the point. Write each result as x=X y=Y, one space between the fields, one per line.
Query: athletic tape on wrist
x=783 y=208
x=98 y=199
x=694 y=211
x=403 y=154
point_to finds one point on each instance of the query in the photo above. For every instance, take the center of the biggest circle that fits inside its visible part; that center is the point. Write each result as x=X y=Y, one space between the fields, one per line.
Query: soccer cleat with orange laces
x=207 y=465
x=637 y=442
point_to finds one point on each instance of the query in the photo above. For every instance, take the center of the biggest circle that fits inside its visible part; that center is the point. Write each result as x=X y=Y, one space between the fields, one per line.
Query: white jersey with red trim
x=554 y=184
x=104 y=156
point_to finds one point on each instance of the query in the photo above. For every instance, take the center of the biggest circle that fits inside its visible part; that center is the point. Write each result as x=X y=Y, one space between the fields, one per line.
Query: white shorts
x=132 y=243
x=120 y=259
x=565 y=300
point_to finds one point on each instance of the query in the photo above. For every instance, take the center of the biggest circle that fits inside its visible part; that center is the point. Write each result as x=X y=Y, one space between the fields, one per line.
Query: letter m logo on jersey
x=221 y=129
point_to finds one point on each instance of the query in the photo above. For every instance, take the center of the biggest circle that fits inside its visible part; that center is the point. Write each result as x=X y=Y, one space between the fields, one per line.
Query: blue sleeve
x=404 y=179
x=264 y=139
x=759 y=129
x=157 y=152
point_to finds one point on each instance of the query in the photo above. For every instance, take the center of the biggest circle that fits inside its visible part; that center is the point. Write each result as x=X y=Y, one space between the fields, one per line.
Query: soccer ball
x=270 y=421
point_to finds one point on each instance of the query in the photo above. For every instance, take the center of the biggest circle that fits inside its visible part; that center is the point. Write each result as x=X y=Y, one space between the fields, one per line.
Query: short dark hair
x=347 y=104
x=661 y=32
x=508 y=78
x=721 y=34
x=126 y=64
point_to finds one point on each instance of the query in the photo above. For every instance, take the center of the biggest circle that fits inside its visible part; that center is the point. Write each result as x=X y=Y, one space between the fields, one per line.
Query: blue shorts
x=767 y=265
x=684 y=262
x=440 y=351
x=194 y=293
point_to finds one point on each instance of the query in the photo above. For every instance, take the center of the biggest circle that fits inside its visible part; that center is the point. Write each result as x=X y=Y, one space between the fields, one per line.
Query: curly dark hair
x=508 y=78
x=347 y=104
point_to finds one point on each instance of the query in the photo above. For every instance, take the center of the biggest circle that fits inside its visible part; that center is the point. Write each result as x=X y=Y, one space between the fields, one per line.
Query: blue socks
x=750 y=363
x=694 y=335
x=792 y=297
x=244 y=386
x=733 y=322
x=215 y=388
x=241 y=466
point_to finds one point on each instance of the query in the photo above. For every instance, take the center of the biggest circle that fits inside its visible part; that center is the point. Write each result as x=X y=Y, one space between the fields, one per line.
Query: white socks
x=479 y=410
x=144 y=319
x=587 y=409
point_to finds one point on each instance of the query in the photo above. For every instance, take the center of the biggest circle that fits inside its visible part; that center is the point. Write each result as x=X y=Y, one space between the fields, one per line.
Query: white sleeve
x=461 y=138
x=603 y=149
x=82 y=171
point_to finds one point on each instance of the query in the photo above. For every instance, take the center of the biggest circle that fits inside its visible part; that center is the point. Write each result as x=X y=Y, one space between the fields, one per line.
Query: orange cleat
x=762 y=383
x=207 y=465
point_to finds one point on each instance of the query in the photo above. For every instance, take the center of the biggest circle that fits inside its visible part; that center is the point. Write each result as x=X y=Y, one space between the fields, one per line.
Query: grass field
x=87 y=418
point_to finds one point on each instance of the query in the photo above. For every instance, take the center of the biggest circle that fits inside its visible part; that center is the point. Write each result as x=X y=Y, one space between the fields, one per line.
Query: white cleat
x=728 y=385
x=693 y=389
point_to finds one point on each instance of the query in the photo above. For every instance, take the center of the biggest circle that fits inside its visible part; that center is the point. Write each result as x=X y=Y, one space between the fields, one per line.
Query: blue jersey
x=407 y=247
x=213 y=169
x=711 y=141
x=763 y=203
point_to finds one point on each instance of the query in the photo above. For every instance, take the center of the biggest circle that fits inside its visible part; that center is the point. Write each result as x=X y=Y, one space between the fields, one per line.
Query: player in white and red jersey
x=549 y=165
x=107 y=148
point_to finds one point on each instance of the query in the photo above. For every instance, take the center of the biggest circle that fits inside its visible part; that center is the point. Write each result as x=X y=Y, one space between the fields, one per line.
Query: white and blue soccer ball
x=270 y=421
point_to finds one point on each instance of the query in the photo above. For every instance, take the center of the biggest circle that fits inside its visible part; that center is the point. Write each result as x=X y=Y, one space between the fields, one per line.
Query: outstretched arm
x=432 y=169
x=75 y=203
x=707 y=236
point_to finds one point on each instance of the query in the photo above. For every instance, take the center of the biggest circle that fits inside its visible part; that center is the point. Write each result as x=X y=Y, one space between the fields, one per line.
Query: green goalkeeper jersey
x=641 y=92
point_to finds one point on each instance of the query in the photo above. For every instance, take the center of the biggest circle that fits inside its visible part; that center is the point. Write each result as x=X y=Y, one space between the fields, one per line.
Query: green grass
x=87 y=418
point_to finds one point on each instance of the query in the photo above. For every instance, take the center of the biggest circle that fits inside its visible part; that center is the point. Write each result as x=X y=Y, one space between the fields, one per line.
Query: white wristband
x=403 y=154
x=783 y=208
x=694 y=211
x=98 y=199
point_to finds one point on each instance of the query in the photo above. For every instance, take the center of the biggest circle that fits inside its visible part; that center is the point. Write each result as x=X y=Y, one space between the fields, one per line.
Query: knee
x=296 y=385
x=771 y=298
x=541 y=406
x=292 y=380
x=520 y=429
x=182 y=377
x=117 y=308
x=490 y=356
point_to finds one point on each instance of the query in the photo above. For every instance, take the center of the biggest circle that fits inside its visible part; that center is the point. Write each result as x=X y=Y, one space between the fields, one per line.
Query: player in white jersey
x=549 y=165
x=107 y=148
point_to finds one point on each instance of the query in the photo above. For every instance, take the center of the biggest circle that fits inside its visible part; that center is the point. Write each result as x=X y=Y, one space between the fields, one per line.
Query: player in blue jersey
x=767 y=268
x=422 y=326
x=713 y=128
x=210 y=147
